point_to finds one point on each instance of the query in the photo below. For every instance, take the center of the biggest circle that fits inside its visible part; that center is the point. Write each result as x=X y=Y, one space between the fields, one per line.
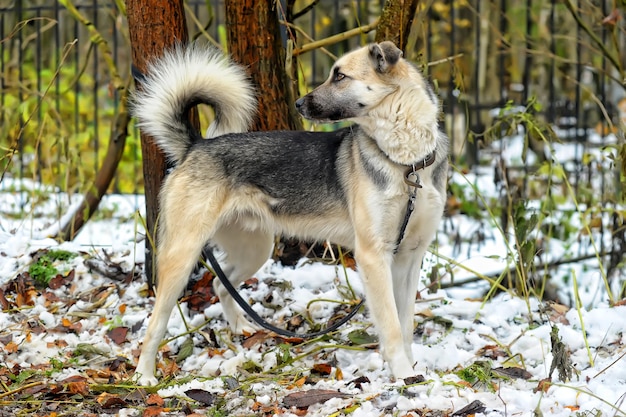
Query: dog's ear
x=384 y=55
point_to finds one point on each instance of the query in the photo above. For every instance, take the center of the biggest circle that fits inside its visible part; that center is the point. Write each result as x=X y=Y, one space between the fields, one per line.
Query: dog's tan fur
x=358 y=201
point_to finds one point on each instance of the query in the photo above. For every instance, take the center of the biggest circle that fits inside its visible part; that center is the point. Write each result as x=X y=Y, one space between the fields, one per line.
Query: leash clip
x=412 y=172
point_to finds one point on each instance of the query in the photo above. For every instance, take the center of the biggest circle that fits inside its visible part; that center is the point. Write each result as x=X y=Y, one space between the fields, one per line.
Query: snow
x=593 y=332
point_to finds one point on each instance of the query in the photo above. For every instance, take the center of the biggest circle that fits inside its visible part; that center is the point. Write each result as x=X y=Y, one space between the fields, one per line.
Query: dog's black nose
x=299 y=102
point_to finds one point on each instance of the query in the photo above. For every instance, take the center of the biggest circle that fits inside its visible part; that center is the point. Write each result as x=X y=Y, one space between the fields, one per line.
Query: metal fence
x=495 y=63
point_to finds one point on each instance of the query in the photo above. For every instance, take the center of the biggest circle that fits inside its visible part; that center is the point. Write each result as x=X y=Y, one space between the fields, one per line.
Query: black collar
x=421 y=164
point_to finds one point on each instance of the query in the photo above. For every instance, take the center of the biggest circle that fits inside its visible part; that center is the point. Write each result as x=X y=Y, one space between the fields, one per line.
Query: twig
x=611 y=364
x=22 y=388
x=309 y=38
x=305 y=10
x=200 y=27
x=444 y=60
x=336 y=38
x=511 y=270
x=593 y=36
x=99 y=40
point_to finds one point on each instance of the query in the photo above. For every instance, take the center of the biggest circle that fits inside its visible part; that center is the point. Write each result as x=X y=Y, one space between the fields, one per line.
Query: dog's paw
x=244 y=327
x=145 y=380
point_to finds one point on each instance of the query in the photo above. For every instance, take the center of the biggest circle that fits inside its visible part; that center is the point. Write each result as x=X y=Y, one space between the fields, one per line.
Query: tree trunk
x=153 y=26
x=395 y=22
x=254 y=40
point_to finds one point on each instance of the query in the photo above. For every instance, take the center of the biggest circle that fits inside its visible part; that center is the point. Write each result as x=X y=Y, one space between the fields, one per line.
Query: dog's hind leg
x=183 y=230
x=246 y=252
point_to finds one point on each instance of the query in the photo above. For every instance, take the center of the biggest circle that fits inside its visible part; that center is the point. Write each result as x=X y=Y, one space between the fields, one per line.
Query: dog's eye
x=339 y=76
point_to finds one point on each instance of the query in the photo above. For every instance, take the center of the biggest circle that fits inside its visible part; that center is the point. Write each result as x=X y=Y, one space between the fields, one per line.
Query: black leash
x=246 y=307
x=413 y=180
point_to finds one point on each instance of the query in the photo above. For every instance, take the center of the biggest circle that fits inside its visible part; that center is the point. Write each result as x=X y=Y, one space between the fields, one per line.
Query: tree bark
x=254 y=40
x=395 y=21
x=153 y=26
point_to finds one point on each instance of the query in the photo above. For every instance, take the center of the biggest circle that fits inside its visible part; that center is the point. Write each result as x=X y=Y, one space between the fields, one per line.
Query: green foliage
x=477 y=373
x=50 y=130
x=44 y=268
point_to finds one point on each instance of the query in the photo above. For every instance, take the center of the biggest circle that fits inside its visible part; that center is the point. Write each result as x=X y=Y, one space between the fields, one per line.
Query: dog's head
x=358 y=82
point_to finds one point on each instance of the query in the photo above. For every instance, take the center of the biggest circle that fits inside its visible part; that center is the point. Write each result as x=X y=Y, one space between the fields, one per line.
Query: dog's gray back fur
x=299 y=171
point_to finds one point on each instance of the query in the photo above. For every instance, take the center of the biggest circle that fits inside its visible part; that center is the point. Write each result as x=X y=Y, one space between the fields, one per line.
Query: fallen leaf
x=11 y=347
x=474 y=407
x=202 y=396
x=80 y=387
x=358 y=382
x=256 y=339
x=305 y=399
x=118 y=334
x=491 y=352
x=4 y=303
x=412 y=380
x=543 y=385
x=152 y=411
x=513 y=372
x=322 y=369
x=362 y=338
x=107 y=400
x=60 y=280
x=185 y=351
x=168 y=368
x=155 y=399
x=299 y=383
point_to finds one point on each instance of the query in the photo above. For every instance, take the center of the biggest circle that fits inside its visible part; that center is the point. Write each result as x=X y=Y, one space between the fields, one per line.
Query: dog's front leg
x=406 y=272
x=375 y=270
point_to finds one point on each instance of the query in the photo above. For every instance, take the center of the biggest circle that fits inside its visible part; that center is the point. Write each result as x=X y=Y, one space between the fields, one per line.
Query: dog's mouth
x=314 y=111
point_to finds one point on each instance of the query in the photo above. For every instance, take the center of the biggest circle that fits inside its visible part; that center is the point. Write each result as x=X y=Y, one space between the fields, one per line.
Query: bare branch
x=331 y=40
x=305 y=10
x=593 y=36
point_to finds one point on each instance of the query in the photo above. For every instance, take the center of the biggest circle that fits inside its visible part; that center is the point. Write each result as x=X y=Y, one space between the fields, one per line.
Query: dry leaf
x=152 y=411
x=472 y=408
x=11 y=347
x=80 y=387
x=322 y=369
x=513 y=372
x=202 y=396
x=299 y=383
x=154 y=399
x=107 y=400
x=305 y=399
x=358 y=382
x=257 y=338
x=4 y=303
x=543 y=385
x=491 y=352
x=118 y=334
x=170 y=368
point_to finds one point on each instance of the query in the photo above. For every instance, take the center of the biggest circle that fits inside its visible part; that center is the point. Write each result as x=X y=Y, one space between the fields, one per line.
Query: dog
x=237 y=189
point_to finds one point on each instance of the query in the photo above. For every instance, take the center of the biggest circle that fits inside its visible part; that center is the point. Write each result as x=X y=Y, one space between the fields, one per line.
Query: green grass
x=45 y=266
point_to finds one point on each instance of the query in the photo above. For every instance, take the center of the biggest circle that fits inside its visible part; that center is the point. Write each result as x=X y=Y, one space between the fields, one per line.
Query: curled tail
x=182 y=78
